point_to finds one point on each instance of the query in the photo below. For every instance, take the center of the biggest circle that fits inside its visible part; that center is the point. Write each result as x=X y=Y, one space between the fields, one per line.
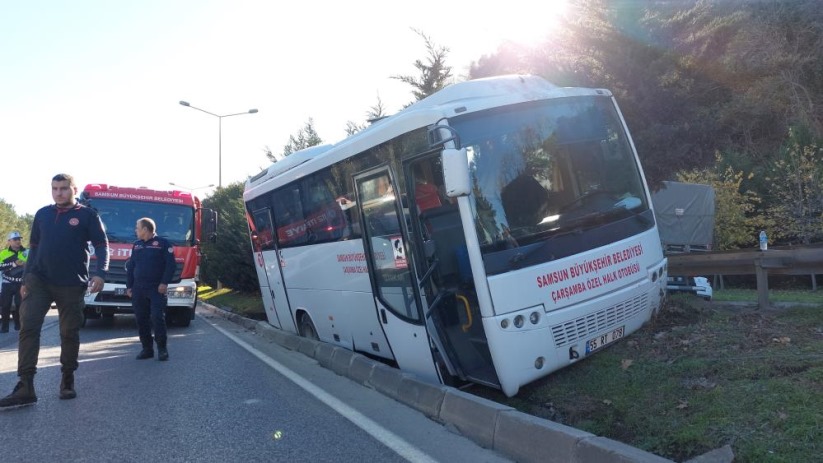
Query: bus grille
x=585 y=327
x=117 y=271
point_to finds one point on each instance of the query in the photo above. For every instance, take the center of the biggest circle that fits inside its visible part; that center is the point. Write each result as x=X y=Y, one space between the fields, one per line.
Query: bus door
x=396 y=290
x=445 y=274
x=269 y=273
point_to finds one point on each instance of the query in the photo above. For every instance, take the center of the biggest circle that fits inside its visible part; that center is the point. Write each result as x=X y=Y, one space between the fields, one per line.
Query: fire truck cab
x=179 y=218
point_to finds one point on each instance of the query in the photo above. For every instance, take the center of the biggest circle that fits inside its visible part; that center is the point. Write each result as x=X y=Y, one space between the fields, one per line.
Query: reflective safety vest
x=13 y=273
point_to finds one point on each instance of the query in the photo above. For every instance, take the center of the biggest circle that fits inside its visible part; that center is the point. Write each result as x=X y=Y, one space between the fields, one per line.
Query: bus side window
x=325 y=220
x=288 y=215
x=349 y=209
x=427 y=178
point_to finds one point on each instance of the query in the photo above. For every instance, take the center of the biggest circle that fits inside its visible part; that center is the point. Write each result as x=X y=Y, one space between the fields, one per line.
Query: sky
x=92 y=87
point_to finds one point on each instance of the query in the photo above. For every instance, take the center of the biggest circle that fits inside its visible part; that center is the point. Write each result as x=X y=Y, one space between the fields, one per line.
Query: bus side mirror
x=456 y=172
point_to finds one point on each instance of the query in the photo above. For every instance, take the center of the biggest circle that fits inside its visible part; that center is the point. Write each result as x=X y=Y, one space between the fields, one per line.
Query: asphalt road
x=225 y=395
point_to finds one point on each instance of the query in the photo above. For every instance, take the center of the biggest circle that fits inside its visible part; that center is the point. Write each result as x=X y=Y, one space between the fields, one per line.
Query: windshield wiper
x=573 y=226
x=548 y=236
x=595 y=218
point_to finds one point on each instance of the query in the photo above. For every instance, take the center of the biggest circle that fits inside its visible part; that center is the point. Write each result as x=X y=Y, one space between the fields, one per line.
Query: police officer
x=149 y=272
x=12 y=260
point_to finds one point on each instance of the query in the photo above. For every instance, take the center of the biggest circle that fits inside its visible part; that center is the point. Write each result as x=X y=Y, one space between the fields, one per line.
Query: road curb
x=514 y=434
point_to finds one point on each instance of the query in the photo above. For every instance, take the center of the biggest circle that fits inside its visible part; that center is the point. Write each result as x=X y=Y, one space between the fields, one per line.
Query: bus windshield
x=551 y=179
x=174 y=222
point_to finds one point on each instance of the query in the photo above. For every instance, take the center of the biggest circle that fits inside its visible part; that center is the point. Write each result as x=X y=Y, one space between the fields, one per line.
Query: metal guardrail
x=803 y=260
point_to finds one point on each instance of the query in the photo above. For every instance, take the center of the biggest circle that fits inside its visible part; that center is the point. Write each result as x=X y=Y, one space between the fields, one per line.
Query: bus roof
x=289 y=162
x=459 y=98
x=102 y=190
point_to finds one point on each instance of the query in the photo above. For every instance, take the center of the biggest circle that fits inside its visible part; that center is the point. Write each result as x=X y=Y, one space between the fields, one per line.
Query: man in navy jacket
x=57 y=271
x=148 y=274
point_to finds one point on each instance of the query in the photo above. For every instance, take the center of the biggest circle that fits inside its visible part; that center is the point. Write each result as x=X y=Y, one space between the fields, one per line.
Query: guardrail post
x=762 y=284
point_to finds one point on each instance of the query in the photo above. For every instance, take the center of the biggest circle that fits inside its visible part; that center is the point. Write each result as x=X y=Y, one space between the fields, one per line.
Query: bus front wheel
x=307 y=329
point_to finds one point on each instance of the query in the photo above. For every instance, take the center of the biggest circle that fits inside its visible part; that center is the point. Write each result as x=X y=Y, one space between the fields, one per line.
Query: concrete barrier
x=475 y=417
x=529 y=438
x=308 y=346
x=341 y=361
x=385 y=379
x=324 y=354
x=424 y=397
x=602 y=449
x=514 y=434
x=361 y=369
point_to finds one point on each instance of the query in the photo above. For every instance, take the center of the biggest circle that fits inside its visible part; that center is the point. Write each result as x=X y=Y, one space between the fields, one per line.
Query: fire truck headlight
x=180 y=292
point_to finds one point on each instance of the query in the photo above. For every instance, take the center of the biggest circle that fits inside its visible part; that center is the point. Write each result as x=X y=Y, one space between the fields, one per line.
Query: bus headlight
x=534 y=317
x=518 y=321
x=504 y=323
x=180 y=292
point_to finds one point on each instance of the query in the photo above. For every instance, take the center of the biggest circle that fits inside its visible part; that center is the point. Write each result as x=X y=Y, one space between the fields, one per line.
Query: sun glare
x=527 y=22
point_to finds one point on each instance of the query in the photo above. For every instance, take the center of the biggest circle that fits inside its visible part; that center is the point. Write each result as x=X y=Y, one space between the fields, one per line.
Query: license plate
x=604 y=340
x=119 y=291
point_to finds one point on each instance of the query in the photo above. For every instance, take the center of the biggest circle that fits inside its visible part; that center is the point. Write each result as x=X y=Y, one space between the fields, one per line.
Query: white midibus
x=493 y=232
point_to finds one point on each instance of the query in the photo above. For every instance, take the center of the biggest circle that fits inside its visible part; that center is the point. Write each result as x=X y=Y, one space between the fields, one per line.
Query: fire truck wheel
x=180 y=317
x=183 y=319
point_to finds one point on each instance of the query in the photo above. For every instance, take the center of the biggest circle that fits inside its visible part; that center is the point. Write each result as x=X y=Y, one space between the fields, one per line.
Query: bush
x=229 y=259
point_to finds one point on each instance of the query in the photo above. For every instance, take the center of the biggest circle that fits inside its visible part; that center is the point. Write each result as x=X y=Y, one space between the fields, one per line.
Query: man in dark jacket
x=12 y=260
x=149 y=271
x=57 y=271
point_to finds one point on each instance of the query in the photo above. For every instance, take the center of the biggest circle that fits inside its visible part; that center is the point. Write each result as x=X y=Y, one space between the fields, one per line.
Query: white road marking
x=388 y=438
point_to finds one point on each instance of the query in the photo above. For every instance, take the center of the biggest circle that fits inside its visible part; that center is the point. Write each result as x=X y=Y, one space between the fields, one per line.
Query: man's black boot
x=148 y=350
x=162 y=352
x=67 y=386
x=15 y=315
x=23 y=394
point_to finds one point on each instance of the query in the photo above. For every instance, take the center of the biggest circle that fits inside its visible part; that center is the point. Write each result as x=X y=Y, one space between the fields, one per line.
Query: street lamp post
x=219 y=136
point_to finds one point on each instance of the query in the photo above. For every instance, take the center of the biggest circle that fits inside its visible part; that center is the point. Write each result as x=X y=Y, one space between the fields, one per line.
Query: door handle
x=383 y=316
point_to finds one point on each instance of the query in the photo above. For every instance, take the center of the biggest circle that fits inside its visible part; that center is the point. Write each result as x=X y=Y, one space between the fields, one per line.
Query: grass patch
x=246 y=304
x=699 y=377
x=750 y=295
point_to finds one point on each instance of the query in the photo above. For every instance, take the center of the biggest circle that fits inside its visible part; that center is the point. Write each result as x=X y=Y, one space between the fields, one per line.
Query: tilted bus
x=493 y=232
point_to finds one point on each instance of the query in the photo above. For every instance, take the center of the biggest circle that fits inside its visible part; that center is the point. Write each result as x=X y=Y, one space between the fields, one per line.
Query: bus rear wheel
x=307 y=329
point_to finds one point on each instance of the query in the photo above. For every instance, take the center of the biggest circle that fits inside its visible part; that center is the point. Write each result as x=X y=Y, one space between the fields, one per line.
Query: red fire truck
x=179 y=217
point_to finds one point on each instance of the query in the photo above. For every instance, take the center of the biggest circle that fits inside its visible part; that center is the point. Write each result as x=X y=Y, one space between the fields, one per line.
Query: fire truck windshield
x=174 y=222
